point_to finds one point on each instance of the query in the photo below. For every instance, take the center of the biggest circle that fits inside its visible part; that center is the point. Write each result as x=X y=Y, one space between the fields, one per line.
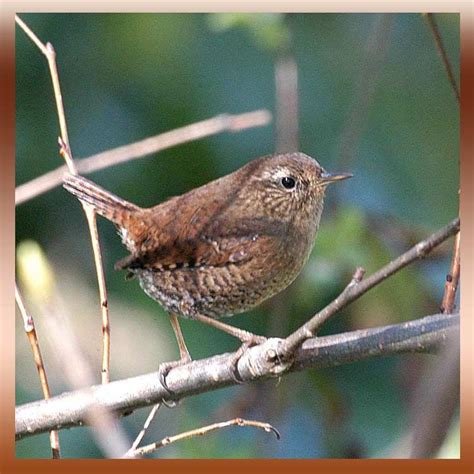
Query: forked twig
x=146 y=425
x=357 y=286
x=149 y=448
x=442 y=51
x=29 y=326
x=205 y=128
x=65 y=151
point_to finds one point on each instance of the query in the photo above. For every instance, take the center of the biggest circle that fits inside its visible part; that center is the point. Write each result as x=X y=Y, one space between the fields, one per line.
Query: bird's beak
x=327 y=178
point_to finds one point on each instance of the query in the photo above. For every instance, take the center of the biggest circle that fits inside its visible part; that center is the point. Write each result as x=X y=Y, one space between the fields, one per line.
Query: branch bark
x=69 y=409
x=452 y=278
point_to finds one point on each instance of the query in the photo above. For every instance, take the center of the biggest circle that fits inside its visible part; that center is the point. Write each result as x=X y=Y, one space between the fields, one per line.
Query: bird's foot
x=163 y=371
x=248 y=340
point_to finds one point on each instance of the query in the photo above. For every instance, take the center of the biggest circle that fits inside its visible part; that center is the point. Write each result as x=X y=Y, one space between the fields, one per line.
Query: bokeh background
x=374 y=100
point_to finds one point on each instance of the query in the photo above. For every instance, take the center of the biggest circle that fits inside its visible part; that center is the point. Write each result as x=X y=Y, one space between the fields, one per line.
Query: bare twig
x=70 y=409
x=200 y=432
x=444 y=55
x=65 y=151
x=104 y=305
x=357 y=287
x=29 y=325
x=142 y=148
x=146 y=425
x=31 y=35
x=452 y=278
x=48 y=51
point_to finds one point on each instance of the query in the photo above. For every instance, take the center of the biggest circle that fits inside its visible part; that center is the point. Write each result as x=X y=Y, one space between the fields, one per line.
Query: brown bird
x=225 y=247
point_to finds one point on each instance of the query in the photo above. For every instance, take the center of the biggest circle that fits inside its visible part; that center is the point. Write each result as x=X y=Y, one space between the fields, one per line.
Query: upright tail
x=106 y=204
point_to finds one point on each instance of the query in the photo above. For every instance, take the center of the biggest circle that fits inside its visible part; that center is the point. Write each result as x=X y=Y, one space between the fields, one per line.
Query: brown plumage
x=224 y=247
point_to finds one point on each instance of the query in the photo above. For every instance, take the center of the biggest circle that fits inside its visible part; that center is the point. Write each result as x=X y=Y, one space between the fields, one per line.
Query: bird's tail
x=113 y=208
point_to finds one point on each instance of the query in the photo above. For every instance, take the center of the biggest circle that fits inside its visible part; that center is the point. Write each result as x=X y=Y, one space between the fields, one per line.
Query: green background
x=128 y=76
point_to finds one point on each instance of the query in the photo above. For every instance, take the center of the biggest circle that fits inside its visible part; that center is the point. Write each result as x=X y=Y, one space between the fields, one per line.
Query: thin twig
x=29 y=326
x=146 y=425
x=48 y=51
x=150 y=448
x=427 y=334
x=205 y=128
x=104 y=305
x=442 y=51
x=357 y=287
x=66 y=153
x=31 y=35
x=452 y=278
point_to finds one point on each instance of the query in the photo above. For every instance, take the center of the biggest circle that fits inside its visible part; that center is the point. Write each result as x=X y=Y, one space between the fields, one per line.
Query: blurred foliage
x=128 y=76
x=269 y=30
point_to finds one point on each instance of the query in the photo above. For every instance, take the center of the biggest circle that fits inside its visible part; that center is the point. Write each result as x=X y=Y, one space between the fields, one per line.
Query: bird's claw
x=163 y=371
x=252 y=340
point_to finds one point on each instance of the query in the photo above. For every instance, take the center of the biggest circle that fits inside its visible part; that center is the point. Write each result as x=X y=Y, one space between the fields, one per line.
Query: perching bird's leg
x=184 y=356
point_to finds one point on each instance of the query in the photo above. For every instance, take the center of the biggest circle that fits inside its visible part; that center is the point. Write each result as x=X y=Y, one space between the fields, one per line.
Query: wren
x=225 y=247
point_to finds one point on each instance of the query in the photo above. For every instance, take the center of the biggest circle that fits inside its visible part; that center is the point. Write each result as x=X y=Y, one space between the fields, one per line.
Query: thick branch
x=69 y=409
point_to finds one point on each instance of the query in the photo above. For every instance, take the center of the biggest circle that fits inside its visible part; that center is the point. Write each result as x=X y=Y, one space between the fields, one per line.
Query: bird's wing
x=197 y=241
x=198 y=251
x=180 y=234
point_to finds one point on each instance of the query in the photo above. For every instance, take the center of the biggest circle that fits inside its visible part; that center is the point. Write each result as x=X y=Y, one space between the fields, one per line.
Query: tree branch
x=30 y=330
x=150 y=448
x=69 y=409
x=65 y=151
x=452 y=278
x=357 y=287
x=145 y=147
x=444 y=55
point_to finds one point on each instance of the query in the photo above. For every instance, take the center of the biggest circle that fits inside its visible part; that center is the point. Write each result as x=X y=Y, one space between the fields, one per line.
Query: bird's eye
x=288 y=182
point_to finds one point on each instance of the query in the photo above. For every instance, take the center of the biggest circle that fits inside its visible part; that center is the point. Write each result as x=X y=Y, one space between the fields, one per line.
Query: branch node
x=358 y=275
x=29 y=324
x=50 y=49
x=252 y=365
